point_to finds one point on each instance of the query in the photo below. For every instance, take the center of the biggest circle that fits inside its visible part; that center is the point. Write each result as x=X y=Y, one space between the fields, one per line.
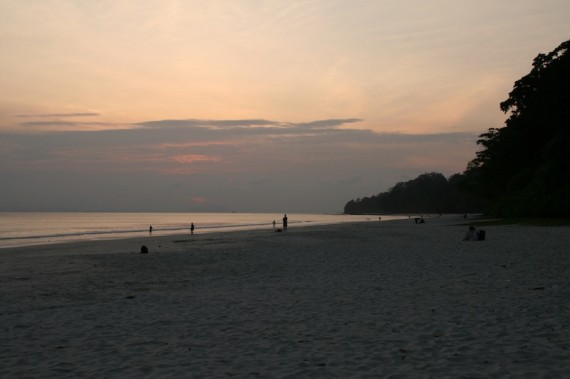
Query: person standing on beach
x=150 y=230
x=285 y=222
x=273 y=224
x=192 y=228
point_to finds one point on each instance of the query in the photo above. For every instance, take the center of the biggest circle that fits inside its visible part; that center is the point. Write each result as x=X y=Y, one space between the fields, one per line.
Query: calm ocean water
x=23 y=229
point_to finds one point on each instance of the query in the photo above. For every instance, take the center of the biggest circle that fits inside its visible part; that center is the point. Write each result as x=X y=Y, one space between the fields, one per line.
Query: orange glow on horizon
x=191 y=158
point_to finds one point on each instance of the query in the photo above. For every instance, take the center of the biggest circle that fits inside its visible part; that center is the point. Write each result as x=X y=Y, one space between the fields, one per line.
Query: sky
x=251 y=105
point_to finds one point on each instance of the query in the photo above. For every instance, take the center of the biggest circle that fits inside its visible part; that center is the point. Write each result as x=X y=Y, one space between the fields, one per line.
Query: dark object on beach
x=144 y=249
x=130 y=297
x=278 y=230
x=480 y=235
x=474 y=235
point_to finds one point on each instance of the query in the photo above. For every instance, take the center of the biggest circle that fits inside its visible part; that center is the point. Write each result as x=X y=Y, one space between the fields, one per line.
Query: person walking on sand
x=192 y=228
x=150 y=230
x=285 y=222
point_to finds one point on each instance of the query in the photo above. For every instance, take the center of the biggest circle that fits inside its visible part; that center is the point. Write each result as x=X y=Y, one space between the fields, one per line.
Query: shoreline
x=158 y=237
x=367 y=299
x=156 y=243
x=38 y=230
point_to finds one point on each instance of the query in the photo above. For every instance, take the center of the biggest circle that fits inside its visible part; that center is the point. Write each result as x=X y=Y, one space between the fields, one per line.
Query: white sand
x=378 y=300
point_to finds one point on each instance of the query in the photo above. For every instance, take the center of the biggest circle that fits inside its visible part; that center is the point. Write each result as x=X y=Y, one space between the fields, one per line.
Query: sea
x=26 y=229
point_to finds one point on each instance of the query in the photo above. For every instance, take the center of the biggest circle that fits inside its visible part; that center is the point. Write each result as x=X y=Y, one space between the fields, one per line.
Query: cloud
x=58 y=115
x=193 y=141
x=191 y=123
x=248 y=123
x=42 y=124
x=326 y=124
x=247 y=165
x=191 y=158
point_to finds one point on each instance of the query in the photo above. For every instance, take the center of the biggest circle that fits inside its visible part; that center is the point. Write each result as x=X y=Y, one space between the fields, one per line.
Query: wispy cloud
x=191 y=158
x=190 y=123
x=227 y=124
x=326 y=124
x=58 y=115
x=51 y=124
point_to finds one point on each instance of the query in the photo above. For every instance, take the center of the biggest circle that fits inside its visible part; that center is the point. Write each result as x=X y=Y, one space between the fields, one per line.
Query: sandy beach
x=375 y=300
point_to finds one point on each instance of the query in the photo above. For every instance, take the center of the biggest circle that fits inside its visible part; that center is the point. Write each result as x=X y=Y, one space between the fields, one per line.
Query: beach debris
x=144 y=249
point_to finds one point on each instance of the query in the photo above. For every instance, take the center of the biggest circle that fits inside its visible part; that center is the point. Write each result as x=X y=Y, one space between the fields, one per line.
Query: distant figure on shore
x=473 y=234
x=379 y=218
x=273 y=224
x=150 y=229
x=192 y=228
x=285 y=222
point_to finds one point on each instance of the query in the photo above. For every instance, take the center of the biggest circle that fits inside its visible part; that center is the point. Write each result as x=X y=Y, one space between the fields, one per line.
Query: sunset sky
x=251 y=105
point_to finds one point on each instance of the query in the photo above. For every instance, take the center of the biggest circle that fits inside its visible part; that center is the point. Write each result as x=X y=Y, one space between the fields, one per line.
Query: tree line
x=522 y=169
x=428 y=193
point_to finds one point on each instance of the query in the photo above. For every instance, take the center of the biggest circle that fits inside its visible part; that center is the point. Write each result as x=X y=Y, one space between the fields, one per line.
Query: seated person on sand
x=471 y=234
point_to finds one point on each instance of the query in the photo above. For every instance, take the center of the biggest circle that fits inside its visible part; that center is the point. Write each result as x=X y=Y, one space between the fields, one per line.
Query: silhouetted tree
x=428 y=193
x=524 y=167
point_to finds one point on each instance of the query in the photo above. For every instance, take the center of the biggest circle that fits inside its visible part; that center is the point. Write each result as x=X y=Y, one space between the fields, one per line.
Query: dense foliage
x=428 y=193
x=524 y=167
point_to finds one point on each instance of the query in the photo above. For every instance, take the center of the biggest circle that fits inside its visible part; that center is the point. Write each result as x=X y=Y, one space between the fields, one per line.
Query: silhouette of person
x=150 y=229
x=192 y=228
x=273 y=224
x=471 y=234
x=285 y=222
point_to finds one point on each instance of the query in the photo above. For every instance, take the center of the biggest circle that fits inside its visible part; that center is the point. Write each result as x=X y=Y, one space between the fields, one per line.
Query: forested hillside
x=522 y=169
x=428 y=193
